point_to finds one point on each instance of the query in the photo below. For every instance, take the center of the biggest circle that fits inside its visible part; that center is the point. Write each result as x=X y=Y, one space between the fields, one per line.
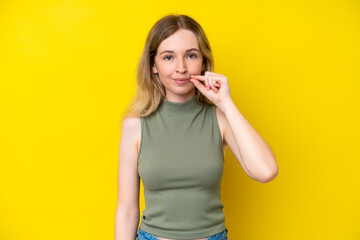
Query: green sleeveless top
x=180 y=163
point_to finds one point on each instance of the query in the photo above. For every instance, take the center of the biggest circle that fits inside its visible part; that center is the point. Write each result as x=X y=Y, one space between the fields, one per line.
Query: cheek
x=165 y=69
x=195 y=67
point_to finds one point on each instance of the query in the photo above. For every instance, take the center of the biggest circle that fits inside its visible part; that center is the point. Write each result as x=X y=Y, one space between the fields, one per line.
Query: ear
x=154 y=68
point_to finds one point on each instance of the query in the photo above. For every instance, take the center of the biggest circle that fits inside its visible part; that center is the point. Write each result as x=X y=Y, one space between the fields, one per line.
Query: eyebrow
x=191 y=49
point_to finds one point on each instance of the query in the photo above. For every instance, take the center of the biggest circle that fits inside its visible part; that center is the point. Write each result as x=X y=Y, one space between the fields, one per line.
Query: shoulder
x=131 y=127
x=131 y=123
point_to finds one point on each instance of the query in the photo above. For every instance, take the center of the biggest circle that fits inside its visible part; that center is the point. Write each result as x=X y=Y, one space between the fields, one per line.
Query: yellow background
x=67 y=71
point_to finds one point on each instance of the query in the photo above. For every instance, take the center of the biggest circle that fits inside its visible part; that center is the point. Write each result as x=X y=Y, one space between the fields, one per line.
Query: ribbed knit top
x=180 y=163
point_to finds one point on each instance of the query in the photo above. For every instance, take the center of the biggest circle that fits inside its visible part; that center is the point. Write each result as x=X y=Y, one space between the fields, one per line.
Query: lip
x=181 y=80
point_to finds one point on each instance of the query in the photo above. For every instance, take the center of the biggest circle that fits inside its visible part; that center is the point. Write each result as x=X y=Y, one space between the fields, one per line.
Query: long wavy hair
x=149 y=90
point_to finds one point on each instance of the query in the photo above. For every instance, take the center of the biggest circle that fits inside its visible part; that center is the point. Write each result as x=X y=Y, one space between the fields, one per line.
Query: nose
x=181 y=66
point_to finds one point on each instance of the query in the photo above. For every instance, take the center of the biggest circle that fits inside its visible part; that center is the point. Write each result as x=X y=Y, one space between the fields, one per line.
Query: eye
x=167 y=57
x=192 y=54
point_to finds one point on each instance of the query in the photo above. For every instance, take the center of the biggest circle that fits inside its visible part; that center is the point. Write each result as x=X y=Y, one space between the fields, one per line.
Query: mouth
x=181 y=80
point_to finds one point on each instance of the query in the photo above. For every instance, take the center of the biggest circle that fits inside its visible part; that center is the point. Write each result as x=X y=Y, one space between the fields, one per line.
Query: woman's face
x=178 y=57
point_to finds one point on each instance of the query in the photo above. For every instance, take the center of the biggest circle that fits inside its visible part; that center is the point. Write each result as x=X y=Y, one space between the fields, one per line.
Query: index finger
x=199 y=77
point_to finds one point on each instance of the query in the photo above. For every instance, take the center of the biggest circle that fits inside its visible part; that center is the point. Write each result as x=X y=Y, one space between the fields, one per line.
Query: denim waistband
x=142 y=235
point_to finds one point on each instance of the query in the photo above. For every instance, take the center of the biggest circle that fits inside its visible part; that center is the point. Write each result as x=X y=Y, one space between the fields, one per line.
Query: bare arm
x=250 y=149
x=127 y=209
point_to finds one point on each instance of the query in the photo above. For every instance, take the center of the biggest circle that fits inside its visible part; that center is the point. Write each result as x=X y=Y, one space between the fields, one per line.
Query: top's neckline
x=188 y=106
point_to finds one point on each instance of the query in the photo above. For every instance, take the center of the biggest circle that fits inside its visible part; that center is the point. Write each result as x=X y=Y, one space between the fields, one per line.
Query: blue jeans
x=142 y=235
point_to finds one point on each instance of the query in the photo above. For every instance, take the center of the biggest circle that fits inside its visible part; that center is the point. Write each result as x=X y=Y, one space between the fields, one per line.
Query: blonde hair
x=149 y=90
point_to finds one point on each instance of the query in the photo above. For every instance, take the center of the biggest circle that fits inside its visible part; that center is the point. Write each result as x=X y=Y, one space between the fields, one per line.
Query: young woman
x=174 y=135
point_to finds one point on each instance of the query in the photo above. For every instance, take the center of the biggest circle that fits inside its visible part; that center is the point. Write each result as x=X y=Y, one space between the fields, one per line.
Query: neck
x=179 y=108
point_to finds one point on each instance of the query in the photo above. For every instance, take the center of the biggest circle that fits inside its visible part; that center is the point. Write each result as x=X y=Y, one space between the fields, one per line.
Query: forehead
x=181 y=40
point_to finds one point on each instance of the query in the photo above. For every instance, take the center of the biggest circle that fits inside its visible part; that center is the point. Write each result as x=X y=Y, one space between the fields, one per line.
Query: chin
x=185 y=93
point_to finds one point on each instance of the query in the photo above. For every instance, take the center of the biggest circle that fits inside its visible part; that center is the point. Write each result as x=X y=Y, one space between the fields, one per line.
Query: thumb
x=198 y=85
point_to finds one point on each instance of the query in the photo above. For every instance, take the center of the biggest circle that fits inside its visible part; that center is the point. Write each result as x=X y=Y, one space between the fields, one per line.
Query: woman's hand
x=216 y=87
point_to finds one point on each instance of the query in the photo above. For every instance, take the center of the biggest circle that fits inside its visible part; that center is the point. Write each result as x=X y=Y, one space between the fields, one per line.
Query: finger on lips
x=209 y=81
x=199 y=77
